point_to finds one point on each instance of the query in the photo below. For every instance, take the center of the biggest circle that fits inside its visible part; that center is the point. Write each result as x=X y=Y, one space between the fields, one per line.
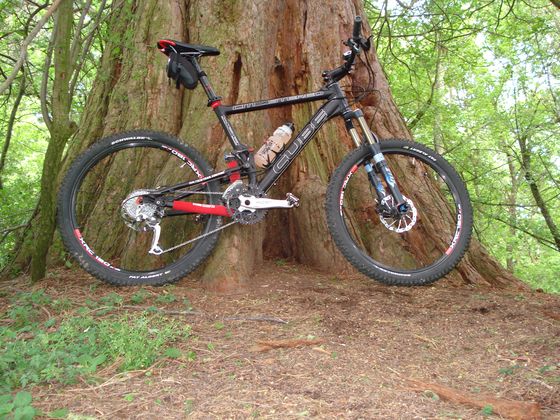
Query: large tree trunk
x=268 y=49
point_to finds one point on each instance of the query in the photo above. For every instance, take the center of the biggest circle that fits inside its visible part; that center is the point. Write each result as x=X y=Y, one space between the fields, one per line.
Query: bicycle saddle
x=167 y=46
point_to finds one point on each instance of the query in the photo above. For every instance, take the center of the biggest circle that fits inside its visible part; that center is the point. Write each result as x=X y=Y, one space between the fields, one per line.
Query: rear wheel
x=417 y=247
x=107 y=212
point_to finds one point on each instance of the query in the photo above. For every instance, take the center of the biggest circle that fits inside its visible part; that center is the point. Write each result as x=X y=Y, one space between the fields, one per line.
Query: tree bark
x=61 y=128
x=438 y=94
x=268 y=49
x=512 y=213
x=535 y=190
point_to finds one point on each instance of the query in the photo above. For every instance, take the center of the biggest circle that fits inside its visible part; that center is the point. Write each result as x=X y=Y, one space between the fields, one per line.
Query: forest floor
x=296 y=343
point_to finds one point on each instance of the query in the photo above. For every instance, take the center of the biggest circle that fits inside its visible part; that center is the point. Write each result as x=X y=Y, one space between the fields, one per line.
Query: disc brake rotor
x=403 y=222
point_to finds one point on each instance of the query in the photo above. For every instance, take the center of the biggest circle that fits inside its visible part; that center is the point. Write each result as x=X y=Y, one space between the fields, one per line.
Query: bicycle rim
x=421 y=241
x=123 y=175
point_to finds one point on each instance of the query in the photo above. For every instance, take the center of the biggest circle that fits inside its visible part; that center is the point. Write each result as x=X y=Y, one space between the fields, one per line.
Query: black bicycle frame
x=336 y=105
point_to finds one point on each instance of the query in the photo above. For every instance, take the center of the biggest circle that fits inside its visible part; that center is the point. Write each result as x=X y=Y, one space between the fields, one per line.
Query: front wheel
x=414 y=248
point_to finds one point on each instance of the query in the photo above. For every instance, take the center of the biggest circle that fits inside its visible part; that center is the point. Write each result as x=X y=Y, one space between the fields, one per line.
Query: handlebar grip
x=357 y=27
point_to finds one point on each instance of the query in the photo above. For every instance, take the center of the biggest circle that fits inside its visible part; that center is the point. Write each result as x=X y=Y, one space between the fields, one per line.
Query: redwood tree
x=267 y=49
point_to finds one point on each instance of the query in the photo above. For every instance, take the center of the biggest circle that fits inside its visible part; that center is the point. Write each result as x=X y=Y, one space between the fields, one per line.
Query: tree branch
x=10 y=128
x=7 y=231
x=78 y=32
x=543 y=241
x=26 y=42
x=79 y=63
x=44 y=84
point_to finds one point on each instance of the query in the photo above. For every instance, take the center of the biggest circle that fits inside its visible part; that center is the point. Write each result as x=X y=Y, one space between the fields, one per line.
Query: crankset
x=252 y=203
x=247 y=209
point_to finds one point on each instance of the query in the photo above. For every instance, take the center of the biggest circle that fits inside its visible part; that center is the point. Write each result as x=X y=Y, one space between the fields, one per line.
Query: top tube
x=271 y=103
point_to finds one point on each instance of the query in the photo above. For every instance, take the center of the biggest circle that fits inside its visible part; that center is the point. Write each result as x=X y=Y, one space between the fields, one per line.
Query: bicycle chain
x=198 y=237
x=204 y=234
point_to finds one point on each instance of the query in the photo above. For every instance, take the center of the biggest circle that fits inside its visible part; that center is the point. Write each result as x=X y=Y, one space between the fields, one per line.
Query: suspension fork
x=379 y=164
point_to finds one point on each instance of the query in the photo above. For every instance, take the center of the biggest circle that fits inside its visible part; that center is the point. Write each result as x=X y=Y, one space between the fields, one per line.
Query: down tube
x=282 y=162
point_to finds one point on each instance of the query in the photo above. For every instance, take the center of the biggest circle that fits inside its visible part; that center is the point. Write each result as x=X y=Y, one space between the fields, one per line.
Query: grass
x=42 y=340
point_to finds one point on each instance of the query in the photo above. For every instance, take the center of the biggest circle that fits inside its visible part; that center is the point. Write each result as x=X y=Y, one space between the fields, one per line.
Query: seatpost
x=213 y=99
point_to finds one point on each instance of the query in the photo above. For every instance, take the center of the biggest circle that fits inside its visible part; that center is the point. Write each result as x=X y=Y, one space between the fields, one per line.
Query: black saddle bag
x=182 y=71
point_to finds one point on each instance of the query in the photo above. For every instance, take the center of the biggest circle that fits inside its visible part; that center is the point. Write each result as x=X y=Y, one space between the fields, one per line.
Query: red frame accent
x=235 y=175
x=189 y=207
x=216 y=104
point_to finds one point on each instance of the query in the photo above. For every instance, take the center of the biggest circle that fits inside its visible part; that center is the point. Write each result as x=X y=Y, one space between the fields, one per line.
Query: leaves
x=474 y=78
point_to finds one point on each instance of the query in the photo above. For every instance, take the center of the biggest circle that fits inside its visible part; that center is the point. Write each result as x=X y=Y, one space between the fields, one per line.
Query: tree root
x=516 y=410
x=266 y=345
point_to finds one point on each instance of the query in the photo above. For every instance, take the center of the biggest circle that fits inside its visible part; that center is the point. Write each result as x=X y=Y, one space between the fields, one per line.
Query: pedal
x=292 y=199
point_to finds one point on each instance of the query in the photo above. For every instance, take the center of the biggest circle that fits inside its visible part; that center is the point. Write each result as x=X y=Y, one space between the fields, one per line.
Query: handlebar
x=355 y=43
x=357 y=28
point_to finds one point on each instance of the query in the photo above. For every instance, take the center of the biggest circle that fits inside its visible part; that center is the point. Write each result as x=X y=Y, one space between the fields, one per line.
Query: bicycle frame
x=336 y=105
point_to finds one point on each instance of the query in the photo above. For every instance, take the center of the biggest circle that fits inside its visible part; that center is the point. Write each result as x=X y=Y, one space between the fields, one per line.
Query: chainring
x=231 y=199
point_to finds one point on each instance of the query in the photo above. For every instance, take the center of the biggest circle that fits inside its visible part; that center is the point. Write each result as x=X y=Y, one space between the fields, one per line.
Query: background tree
x=72 y=35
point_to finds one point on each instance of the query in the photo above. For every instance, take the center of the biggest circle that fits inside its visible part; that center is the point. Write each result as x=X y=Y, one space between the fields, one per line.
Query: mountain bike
x=141 y=207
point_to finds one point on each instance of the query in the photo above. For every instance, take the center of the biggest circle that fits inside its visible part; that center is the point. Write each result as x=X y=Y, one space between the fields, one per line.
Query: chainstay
x=198 y=237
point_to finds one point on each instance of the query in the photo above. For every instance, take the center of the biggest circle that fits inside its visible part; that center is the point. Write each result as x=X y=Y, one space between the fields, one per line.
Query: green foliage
x=166 y=298
x=173 y=353
x=487 y=410
x=60 y=413
x=17 y=407
x=67 y=347
x=139 y=297
x=480 y=82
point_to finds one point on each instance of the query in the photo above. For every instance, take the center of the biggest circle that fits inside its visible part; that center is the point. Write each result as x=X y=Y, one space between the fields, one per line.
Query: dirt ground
x=361 y=350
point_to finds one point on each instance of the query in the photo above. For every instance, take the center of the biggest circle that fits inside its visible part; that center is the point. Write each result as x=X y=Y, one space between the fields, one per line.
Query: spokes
x=413 y=239
x=119 y=218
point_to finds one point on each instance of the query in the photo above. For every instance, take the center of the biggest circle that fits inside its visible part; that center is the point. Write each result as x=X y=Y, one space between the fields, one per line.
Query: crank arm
x=255 y=203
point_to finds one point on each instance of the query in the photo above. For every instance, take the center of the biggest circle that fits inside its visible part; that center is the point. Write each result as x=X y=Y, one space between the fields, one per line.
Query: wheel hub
x=398 y=220
x=140 y=214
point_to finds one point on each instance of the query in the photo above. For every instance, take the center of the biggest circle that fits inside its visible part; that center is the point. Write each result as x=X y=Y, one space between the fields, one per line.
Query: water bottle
x=272 y=147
